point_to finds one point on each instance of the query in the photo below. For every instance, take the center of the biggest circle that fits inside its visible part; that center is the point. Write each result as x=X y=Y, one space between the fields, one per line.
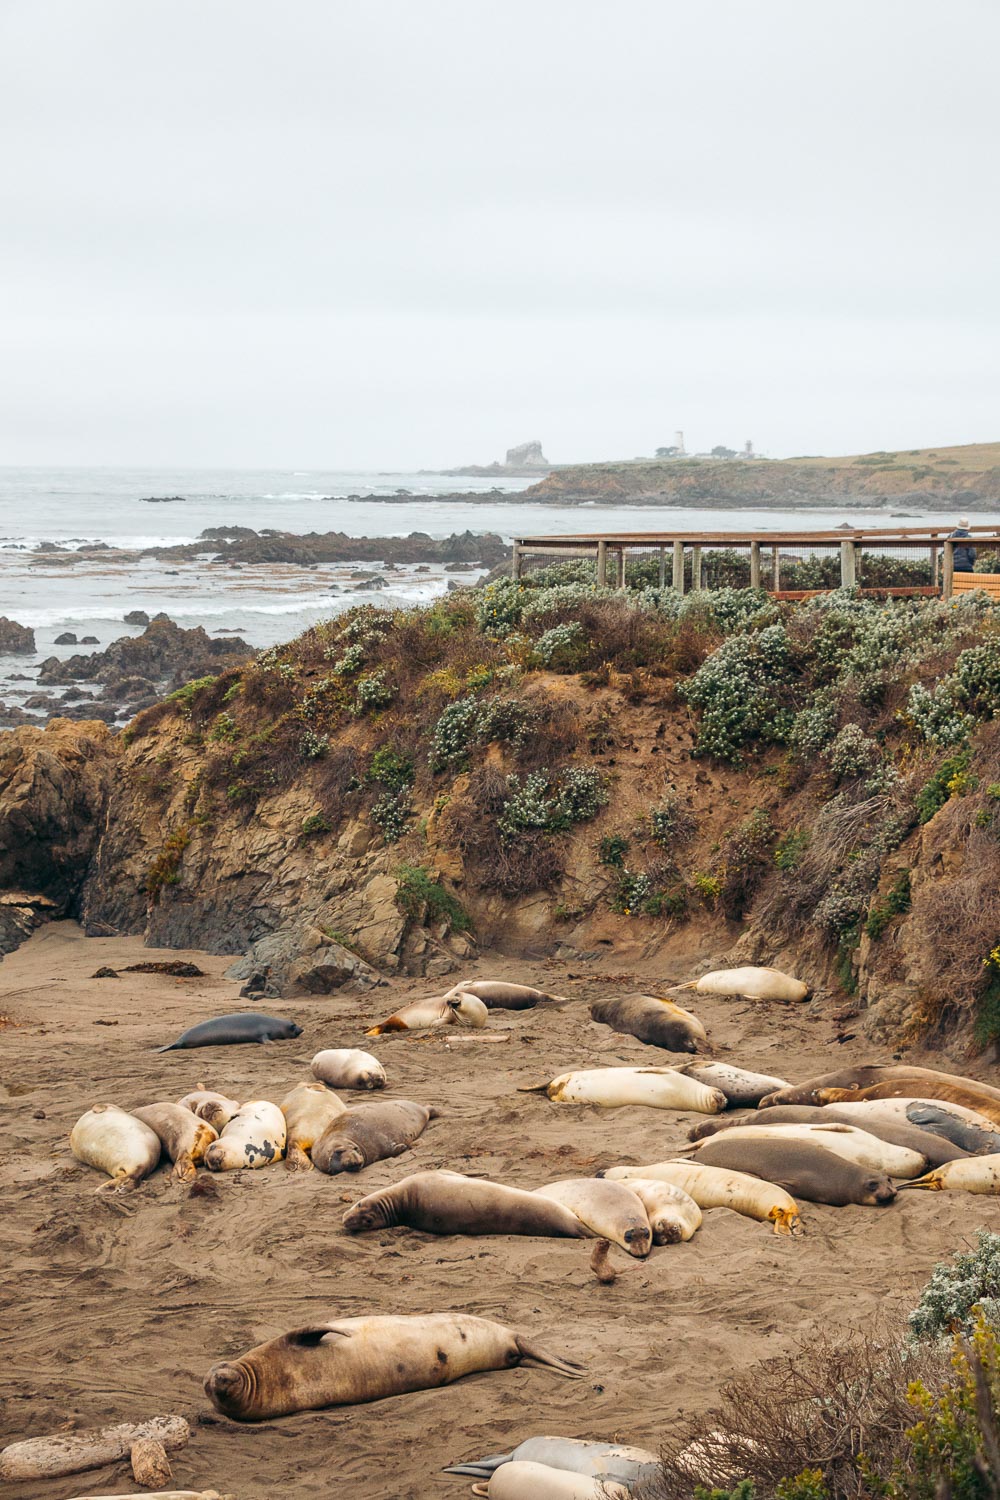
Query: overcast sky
x=394 y=233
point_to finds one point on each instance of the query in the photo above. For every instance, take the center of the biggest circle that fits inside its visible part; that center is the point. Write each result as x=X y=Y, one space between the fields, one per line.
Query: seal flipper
x=484 y=1468
x=313 y=1336
x=529 y=1350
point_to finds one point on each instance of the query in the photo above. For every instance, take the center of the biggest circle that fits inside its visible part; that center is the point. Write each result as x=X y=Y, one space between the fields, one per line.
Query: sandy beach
x=115 y=1307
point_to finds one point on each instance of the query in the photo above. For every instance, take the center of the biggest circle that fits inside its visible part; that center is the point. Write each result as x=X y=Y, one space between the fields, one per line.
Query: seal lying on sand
x=749 y=983
x=496 y=994
x=348 y=1068
x=363 y=1359
x=673 y=1214
x=448 y=1203
x=848 y=1141
x=253 y=1138
x=117 y=1143
x=933 y=1148
x=739 y=1086
x=976 y=1174
x=866 y=1076
x=718 y=1187
x=531 y=1481
x=367 y=1133
x=214 y=1108
x=805 y=1170
x=610 y=1210
x=968 y=1095
x=965 y=1128
x=182 y=1135
x=660 y=1088
x=308 y=1110
x=436 y=1010
x=658 y=1023
x=226 y=1031
x=613 y=1461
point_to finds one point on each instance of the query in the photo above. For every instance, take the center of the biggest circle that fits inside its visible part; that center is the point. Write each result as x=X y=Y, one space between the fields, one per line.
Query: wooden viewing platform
x=687 y=551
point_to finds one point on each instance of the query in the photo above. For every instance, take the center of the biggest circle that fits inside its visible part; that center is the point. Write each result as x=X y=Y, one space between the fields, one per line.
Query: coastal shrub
x=165 y=869
x=183 y=697
x=670 y=821
x=740 y=691
x=611 y=851
x=746 y=860
x=422 y=898
x=791 y=849
x=392 y=813
x=392 y=768
x=634 y=889
x=894 y=904
x=373 y=692
x=499 y=607
x=707 y=886
x=551 y=803
x=367 y=624
x=471 y=721
x=852 y=753
x=949 y=780
x=561 y=648
x=956 y=1289
x=314 y=824
x=349 y=661
x=313 y=746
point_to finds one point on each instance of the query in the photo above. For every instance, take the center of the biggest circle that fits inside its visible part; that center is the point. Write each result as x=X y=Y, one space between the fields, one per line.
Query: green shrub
x=551 y=803
x=421 y=898
x=957 y=1288
x=184 y=696
x=315 y=823
x=313 y=746
x=612 y=850
x=224 y=728
x=391 y=768
x=950 y=779
x=896 y=902
x=373 y=692
x=791 y=849
x=392 y=813
x=561 y=649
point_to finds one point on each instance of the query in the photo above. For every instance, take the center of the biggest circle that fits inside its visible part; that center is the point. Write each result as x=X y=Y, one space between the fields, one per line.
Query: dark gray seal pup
x=658 y=1023
x=225 y=1031
x=933 y=1148
x=802 y=1169
x=367 y=1133
x=448 y=1203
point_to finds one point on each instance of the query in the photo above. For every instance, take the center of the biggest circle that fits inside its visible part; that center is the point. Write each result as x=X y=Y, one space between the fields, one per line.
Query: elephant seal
x=368 y=1133
x=740 y=1087
x=749 y=983
x=227 y=1031
x=802 y=1168
x=115 y=1142
x=918 y=1088
x=253 y=1138
x=350 y=1360
x=658 y=1023
x=181 y=1134
x=214 y=1108
x=610 y=1210
x=847 y=1141
x=448 y=1203
x=308 y=1110
x=718 y=1187
x=933 y=1148
x=964 y=1128
x=436 y=1010
x=532 y=1481
x=496 y=994
x=348 y=1068
x=611 y=1461
x=976 y=1174
x=673 y=1214
x=866 y=1076
x=659 y=1088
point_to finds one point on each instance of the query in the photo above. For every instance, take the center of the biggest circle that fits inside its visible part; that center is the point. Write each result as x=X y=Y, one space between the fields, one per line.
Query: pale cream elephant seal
x=718 y=1187
x=253 y=1138
x=749 y=983
x=348 y=1068
x=184 y=1137
x=115 y=1142
x=673 y=1214
x=524 y=1480
x=659 y=1088
x=972 y=1174
x=350 y=1360
x=308 y=1110
x=215 y=1108
x=436 y=1010
x=610 y=1210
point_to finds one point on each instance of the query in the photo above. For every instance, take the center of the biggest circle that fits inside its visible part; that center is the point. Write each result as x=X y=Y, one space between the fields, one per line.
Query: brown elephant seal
x=868 y=1076
x=658 y=1023
x=115 y=1142
x=917 y=1088
x=348 y=1068
x=436 y=1010
x=935 y=1150
x=497 y=994
x=215 y=1108
x=448 y=1203
x=610 y=1210
x=350 y=1360
x=253 y=1138
x=976 y=1174
x=182 y=1135
x=368 y=1133
x=740 y=1087
x=308 y=1110
x=803 y=1169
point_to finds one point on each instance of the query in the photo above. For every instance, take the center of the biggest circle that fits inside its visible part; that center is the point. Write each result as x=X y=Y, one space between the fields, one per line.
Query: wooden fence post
x=621 y=568
x=678 y=579
x=516 y=561
x=695 y=568
x=948 y=570
x=663 y=567
x=775 y=568
x=602 y=564
x=755 y=565
x=847 y=565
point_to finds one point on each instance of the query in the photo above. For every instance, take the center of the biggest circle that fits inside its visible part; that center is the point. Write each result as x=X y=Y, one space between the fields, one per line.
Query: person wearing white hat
x=965 y=557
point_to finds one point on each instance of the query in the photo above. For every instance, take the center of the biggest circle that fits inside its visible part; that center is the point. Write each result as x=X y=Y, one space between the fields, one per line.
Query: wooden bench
x=964 y=583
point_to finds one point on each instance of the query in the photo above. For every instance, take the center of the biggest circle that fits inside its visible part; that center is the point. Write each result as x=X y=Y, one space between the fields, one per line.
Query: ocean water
x=269 y=603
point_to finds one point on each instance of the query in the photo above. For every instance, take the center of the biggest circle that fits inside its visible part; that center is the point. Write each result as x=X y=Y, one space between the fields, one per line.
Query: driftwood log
x=150 y=1464
x=71 y=1452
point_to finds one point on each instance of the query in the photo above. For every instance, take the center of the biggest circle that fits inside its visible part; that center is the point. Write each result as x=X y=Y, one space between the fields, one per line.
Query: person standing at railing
x=965 y=557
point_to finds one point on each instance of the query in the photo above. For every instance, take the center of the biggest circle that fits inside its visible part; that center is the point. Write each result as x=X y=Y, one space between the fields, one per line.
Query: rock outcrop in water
x=15 y=639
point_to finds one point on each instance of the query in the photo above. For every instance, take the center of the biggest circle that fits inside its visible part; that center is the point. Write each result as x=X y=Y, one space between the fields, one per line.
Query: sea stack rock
x=15 y=639
x=526 y=456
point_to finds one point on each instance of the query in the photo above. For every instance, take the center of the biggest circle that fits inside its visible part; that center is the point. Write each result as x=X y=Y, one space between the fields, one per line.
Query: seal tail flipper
x=171 y=1047
x=529 y=1350
x=481 y=1470
x=532 y=1088
x=930 y=1180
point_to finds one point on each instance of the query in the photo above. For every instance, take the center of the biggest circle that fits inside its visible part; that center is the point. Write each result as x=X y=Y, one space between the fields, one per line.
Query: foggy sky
x=395 y=233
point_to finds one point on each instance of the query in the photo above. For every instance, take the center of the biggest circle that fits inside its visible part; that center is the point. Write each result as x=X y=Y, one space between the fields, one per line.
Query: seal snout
x=227 y=1387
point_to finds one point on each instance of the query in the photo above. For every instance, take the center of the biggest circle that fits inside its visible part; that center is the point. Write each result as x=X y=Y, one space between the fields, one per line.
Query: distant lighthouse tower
x=679 y=444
